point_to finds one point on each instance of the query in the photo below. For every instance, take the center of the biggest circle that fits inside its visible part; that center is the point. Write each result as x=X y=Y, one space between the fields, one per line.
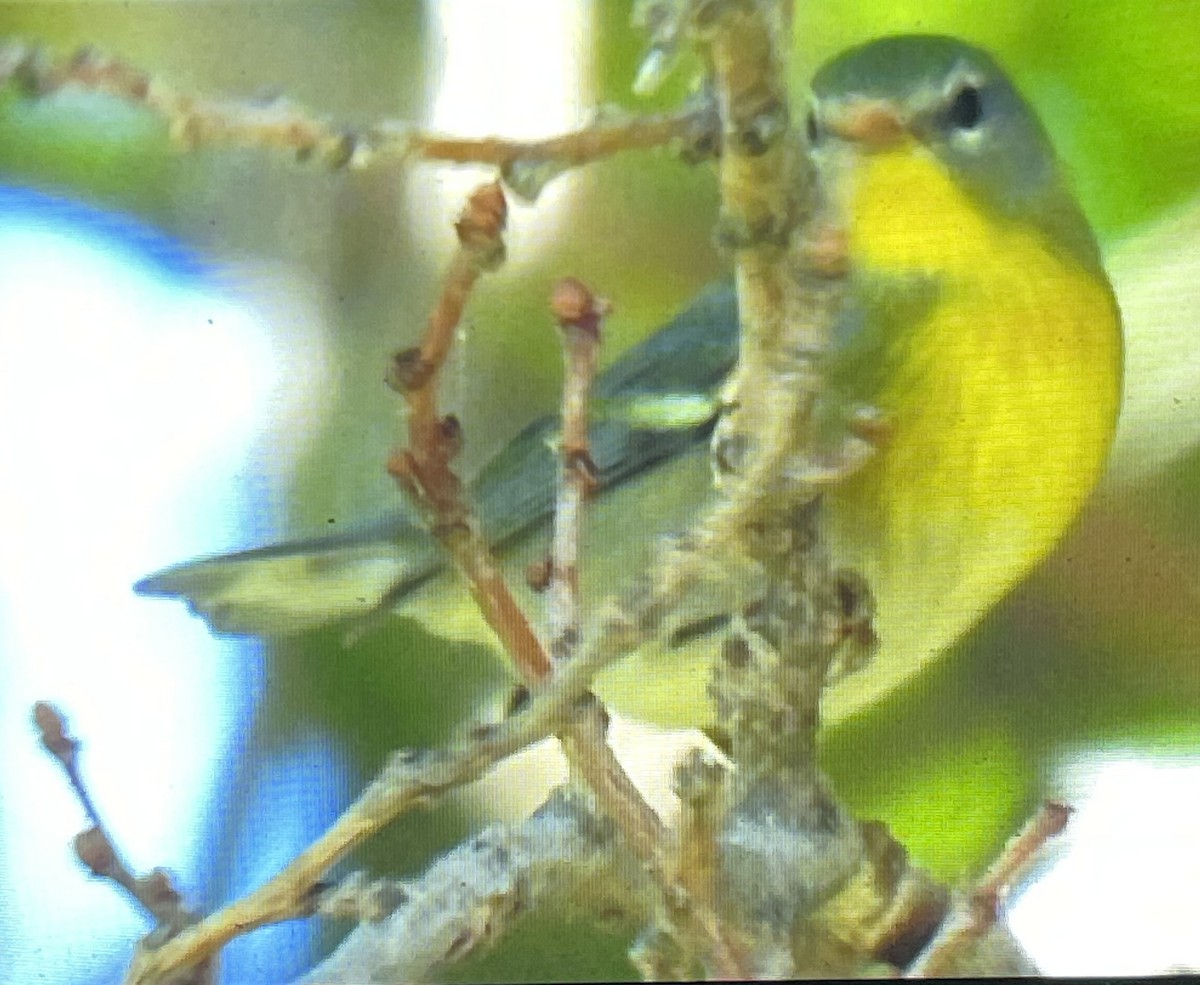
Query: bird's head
x=947 y=99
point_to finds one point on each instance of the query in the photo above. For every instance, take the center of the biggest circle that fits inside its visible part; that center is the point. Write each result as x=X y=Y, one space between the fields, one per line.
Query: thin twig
x=425 y=473
x=563 y=856
x=579 y=314
x=410 y=780
x=969 y=922
x=197 y=121
x=423 y=468
x=155 y=892
x=52 y=731
x=600 y=140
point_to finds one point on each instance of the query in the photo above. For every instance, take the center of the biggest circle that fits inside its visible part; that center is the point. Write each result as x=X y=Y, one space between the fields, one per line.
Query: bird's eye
x=810 y=127
x=967 y=108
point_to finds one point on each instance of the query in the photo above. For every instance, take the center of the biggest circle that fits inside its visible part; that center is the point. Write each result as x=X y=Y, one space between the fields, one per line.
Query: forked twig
x=424 y=471
x=423 y=468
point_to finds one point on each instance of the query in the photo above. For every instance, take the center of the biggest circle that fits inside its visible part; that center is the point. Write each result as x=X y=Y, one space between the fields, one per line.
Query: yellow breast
x=1002 y=400
x=1002 y=397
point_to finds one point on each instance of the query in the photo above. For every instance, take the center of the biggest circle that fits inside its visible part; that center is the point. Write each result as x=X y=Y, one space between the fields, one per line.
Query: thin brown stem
x=94 y=846
x=969 y=922
x=199 y=121
x=579 y=314
x=592 y=143
x=410 y=780
x=424 y=470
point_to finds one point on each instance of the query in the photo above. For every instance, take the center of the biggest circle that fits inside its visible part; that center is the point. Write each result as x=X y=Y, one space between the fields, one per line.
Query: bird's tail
x=297 y=586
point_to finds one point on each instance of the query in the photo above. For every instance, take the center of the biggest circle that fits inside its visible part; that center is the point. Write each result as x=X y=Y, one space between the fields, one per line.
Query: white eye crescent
x=964 y=116
x=966 y=108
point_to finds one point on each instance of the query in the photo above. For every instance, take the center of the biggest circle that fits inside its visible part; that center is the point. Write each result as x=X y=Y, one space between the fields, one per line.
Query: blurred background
x=191 y=354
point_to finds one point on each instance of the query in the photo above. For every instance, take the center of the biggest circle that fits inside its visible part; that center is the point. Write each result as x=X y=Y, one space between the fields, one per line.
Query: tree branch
x=197 y=121
x=977 y=914
x=155 y=893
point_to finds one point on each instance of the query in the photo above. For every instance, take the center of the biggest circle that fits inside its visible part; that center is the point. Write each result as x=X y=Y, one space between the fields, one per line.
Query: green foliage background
x=1098 y=648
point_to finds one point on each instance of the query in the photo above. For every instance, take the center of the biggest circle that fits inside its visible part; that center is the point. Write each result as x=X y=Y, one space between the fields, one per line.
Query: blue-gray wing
x=691 y=354
x=290 y=587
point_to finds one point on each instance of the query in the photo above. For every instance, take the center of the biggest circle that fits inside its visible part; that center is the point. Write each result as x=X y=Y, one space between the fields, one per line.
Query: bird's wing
x=303 y=584
x=688 y=357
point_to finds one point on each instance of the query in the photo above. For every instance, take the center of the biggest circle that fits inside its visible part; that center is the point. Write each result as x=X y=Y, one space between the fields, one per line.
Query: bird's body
x=992 y=448
x=979 y=324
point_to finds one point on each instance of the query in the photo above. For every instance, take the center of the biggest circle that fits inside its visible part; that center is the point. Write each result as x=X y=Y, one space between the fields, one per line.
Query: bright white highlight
x=509 y=68
x=649 y=754
x=1122 y=898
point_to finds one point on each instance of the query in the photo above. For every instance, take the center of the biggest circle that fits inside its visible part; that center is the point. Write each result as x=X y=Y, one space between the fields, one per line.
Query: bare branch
x=579 y=314
x=410 y=780
x=155 y=892
x=564 y=854
x=978 y=913
x=423 y=469
x=197 y=121
x=790 y=265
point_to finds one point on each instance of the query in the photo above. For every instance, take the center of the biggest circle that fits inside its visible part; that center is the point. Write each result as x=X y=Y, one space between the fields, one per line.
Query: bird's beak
x=875 y=123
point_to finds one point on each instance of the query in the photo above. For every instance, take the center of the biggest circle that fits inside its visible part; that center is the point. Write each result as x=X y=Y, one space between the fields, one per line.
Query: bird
x=979 y=326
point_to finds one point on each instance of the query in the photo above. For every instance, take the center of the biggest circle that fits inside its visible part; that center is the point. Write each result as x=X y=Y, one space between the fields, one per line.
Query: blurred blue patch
x=284 y=799
x=125 y=442
x=117 y=234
